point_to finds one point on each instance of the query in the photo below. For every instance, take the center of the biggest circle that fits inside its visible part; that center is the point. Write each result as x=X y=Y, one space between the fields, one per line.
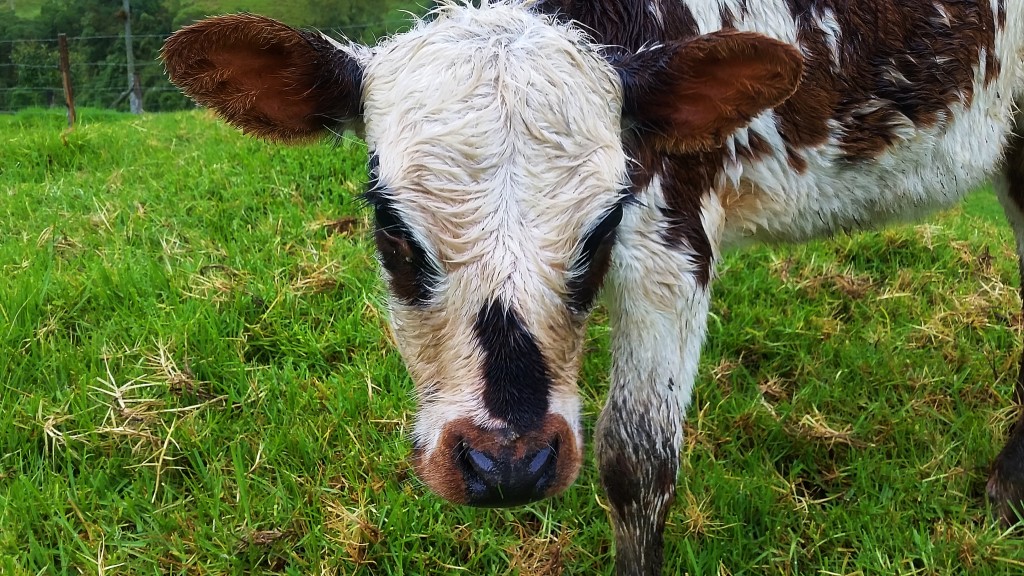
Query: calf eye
x=591 y=265
x=412 y=273
x=398 y=258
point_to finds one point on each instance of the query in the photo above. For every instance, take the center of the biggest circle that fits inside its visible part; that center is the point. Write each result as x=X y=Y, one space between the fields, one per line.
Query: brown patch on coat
x=898 y=63
x=795 y=160
x=264 y=77
x=441 y=471
x=629 y=24
x=686 y=180
x=755 y=149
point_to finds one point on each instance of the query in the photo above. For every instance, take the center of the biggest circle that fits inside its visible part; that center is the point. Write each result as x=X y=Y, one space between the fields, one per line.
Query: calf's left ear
x=265 y=77
x=691 y=95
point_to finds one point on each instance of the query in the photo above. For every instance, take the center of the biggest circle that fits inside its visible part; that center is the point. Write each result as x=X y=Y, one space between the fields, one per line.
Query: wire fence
x=30 y=73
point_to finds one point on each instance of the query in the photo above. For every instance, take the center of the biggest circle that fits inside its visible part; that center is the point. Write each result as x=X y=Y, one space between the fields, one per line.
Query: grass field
x=196 y=378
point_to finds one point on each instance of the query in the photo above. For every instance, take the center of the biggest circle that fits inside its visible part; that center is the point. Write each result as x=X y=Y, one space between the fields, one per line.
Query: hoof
x=1005 y=486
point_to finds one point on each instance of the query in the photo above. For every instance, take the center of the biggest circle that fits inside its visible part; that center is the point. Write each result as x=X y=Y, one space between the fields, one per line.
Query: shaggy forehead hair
x=498 y=138
x=496 y=120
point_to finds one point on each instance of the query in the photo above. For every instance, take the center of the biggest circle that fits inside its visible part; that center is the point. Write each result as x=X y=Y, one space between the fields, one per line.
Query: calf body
x=904 y=107
x=525 y=154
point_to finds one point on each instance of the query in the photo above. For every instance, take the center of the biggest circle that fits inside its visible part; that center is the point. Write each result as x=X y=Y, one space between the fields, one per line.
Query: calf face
x=499 y=174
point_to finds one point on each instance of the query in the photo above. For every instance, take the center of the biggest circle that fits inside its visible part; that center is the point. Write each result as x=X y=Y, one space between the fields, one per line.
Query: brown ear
x=692 y=95
x=264 y=77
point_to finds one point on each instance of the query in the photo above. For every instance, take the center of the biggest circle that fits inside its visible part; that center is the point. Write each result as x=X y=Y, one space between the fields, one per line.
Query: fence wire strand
x=387 y=24
x=38 y=83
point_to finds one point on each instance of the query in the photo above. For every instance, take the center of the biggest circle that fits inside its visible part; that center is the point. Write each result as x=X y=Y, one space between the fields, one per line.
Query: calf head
x=498 y=181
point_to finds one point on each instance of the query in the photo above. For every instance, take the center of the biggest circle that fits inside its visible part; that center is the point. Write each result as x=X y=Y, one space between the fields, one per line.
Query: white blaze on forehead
x=499 y=133
x=498 y=138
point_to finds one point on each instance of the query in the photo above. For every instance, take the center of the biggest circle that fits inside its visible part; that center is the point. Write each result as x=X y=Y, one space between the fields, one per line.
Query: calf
x=522 y=155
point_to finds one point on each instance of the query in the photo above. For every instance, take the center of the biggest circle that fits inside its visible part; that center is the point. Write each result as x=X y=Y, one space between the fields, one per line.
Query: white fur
x=927 y=169
x=826 y=20
x=659 y=311
x=499 y=159
x=497 y=133
x=658 y=314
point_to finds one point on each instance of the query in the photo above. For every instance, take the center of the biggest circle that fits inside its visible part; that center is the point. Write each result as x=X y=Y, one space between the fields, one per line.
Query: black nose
x=499 y=478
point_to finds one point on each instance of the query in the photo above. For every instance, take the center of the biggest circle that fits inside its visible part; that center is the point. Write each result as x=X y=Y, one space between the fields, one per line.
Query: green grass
x=196 y=377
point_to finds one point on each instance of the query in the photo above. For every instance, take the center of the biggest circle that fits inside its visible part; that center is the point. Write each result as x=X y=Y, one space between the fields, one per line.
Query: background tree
x=95 y=28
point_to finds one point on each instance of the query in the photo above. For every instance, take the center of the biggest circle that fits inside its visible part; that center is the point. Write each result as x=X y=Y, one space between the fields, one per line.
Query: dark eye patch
x=413 y=275
x=592 y=263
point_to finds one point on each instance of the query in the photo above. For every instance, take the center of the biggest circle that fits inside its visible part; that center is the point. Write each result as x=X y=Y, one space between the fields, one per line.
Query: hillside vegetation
x=24 y=8
x=327 y=13
x=379 y=15
x=196 y=377
x=28 y=47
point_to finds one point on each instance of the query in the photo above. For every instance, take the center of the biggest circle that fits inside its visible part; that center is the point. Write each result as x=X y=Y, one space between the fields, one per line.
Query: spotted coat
x=527 y=154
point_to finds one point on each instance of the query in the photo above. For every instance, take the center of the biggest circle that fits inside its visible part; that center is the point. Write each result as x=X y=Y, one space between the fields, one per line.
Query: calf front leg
x=1006 y=480
x=658 y=300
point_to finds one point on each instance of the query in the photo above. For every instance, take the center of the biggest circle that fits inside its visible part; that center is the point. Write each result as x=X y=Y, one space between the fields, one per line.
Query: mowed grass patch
x=196 y=377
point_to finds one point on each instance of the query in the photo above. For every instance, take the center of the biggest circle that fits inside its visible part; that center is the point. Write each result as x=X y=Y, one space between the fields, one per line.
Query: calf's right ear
x=265 y=77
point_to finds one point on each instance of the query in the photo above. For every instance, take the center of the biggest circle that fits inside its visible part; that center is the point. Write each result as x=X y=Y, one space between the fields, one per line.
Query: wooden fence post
x=134 y=89
x=65 y=72
x=137 y=92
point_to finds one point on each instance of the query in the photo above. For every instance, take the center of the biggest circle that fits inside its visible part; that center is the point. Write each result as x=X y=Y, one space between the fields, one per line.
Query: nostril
x=542 y=467
x=540 y=462
x=474 y=466
x=481 y=463
x=502 y=479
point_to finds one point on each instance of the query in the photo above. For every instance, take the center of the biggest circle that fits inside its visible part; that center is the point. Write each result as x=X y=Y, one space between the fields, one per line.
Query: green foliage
x=28 y=75
x=24 y=8
x=196 y=377
x=363 y=21
x=28 y=70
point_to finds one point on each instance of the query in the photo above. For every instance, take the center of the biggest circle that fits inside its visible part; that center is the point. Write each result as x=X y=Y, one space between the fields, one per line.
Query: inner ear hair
x=267 y=78
x=691 y=95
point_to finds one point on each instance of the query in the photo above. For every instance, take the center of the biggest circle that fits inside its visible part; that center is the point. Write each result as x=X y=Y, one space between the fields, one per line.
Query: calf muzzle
x=503 y=479
x=500 y=467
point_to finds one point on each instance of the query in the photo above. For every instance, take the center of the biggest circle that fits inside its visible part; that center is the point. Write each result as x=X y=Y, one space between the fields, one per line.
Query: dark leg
x=1006 y=480
x=658 y=305
x=638 y=465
